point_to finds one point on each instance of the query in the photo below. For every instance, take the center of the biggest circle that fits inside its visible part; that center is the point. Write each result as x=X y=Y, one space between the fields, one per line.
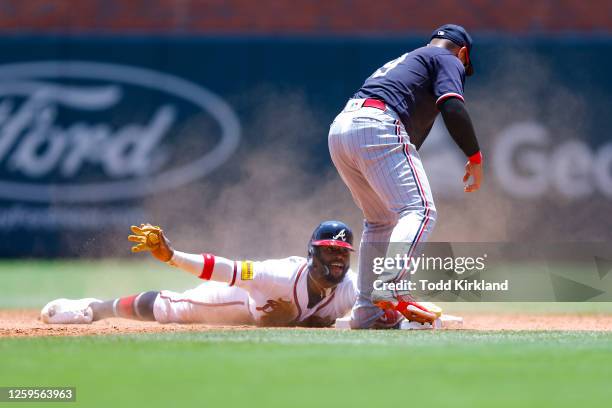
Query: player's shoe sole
x=67 y=311
x=423 y=312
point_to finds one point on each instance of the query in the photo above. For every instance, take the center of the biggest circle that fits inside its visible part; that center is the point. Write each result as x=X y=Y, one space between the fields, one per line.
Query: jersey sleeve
x=251 y=275
x=266 y=275
x=245 y=274
x=449 y=78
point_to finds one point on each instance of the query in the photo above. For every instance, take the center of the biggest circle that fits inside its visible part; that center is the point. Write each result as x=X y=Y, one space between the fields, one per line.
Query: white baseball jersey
x=268 y=293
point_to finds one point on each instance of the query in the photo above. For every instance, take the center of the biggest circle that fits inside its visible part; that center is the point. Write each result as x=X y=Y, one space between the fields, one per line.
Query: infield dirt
x=25 y=323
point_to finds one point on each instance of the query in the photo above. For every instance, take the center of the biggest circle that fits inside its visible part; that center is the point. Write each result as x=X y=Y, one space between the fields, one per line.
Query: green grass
x=294 y=368
x=311 y=368
x=30 y=284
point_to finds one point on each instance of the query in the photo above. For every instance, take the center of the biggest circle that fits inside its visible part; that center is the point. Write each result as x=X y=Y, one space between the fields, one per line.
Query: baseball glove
x=151 y=238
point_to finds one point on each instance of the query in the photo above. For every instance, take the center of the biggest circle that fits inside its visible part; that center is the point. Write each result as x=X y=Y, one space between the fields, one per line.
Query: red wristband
x=476 y=158
x=209 y=265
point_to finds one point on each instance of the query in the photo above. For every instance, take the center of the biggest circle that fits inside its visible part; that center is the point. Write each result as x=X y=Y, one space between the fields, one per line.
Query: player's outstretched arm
x=205 y=266
x=151 y=238
x=459 y=125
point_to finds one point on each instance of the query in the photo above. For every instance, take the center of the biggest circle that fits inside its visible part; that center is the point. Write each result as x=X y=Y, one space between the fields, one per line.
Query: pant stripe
x=194 y=302
x=424 y=201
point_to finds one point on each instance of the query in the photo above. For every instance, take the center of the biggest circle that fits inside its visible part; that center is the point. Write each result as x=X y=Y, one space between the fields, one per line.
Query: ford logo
x=50 y=153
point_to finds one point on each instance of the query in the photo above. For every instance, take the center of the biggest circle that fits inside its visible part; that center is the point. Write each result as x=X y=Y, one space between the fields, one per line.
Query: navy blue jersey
x=413 y=84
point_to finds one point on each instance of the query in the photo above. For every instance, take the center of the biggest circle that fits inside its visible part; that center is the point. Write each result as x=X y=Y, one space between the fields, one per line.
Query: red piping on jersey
x=234 y=276
x=449 y=95
x=199 y=303
x=209 y=265
x=295 y=298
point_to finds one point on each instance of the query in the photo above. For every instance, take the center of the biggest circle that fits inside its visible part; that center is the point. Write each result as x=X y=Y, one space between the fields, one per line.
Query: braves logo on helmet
x=341 y=235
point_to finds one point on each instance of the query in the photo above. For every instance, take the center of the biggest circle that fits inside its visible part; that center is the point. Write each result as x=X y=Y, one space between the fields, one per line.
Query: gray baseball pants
x=373 y=154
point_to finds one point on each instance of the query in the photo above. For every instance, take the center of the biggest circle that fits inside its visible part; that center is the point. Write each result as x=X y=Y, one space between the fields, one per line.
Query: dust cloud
x=270 y=198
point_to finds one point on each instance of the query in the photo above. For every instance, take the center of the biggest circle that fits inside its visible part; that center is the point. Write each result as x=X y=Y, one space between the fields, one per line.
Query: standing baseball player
x=374 y=145
x=294 y=291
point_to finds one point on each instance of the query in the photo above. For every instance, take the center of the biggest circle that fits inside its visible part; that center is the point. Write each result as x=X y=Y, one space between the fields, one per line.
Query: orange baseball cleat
x=413 y=311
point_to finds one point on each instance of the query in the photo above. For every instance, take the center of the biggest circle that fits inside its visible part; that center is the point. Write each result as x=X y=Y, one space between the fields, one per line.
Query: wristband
x=476 y=158
x=207 y=268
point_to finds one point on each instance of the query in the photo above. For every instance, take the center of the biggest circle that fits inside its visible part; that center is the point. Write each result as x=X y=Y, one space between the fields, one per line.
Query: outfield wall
x=224 y=140
x=305 y=17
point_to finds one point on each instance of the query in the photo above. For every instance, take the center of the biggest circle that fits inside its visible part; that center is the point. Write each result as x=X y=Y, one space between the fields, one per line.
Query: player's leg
x=374 y=243
x=136 y=307
x=396 y=198
x=84 y=311
x=209 y=303
x=399 y=179
x=345 y=140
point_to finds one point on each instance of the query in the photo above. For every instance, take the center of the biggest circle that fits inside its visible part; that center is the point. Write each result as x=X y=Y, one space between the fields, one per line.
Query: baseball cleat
x=67 y=311
x=391 y=319
x=421 y=312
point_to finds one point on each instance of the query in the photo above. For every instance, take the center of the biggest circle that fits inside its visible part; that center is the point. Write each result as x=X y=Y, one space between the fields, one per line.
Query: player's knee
x=381 y=225
x=426 y=216
x=418 y=210
x=144 y=305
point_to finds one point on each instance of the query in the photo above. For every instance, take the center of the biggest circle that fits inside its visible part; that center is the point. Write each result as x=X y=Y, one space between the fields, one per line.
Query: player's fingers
x=471 y=188
x=136 y=238
x=150 y=228
x=140 y=248
x=468 y=172
x=136 y=230
x=148 y=225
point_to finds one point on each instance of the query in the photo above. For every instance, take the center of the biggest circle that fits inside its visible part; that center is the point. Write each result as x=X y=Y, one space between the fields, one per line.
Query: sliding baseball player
x=295 y=291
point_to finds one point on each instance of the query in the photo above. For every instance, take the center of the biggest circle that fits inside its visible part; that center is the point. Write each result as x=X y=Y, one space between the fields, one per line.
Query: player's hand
x=474 y=171
x=151 y=238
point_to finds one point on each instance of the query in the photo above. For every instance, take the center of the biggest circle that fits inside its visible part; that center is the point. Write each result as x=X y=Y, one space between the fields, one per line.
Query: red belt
x=374 y=103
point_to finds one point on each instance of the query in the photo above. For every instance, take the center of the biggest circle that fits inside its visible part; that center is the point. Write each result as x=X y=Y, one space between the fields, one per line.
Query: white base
x=443 y=322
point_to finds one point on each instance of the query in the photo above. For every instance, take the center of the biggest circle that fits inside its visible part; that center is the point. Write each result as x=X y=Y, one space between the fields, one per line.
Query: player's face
x=337 y=259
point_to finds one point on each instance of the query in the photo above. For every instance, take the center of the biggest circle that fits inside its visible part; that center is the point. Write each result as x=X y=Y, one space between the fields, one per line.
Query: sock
x=136 y=307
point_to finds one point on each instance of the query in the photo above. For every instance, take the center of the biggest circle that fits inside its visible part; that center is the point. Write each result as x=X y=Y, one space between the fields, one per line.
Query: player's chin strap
x=326 y=271
x=312 y=255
